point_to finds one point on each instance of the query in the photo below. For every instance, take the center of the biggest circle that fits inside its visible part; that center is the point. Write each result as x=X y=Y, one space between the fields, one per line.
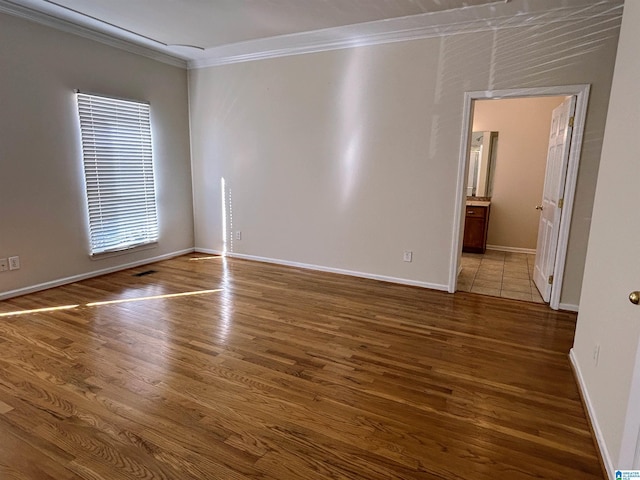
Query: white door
x=550 y=208
x=607 y=342
x=608 y=328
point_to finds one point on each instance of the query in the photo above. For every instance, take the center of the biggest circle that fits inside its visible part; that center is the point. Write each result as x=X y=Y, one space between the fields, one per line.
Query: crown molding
x=415 y=27
x=488 y=17
x=20 y=11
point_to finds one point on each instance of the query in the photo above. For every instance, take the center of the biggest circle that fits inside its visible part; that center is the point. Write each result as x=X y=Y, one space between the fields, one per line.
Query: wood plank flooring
x=271 y=372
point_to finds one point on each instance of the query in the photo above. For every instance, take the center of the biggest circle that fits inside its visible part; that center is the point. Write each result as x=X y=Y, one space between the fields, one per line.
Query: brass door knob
x=634 y=297
x=539 y=207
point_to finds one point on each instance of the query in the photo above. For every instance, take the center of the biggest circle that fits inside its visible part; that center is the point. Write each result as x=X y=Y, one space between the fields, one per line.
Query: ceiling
x=212 y=23
x=197 y=33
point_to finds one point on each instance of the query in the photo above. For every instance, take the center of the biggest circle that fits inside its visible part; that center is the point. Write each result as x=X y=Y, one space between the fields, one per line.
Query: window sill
x=126 y=251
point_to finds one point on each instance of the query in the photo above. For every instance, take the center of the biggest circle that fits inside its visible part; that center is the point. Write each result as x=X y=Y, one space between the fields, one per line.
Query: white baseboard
x=569 y=307
x=604 y=451
x=83 y=276
x=320 y=268
x=500 y=248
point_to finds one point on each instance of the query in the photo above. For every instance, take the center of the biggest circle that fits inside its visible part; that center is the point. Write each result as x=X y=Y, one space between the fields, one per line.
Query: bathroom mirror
x=482 y=164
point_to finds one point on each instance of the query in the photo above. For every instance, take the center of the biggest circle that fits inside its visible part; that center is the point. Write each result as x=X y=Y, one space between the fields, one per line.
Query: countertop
x=478 y=203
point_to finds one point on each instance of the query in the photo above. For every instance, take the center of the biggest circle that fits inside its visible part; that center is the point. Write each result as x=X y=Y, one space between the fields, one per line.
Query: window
x=118 y=170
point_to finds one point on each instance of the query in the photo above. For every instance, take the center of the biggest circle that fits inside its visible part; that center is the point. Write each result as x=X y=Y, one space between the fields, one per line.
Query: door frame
x=582 y=97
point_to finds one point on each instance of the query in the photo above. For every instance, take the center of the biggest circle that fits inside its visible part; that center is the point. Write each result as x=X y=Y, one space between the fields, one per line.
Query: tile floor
x=499 y=274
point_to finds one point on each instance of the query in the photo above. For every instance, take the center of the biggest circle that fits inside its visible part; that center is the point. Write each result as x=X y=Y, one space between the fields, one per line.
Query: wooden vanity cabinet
x=476 y=224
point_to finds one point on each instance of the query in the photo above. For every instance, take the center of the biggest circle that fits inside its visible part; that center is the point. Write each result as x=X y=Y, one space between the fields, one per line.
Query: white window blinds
x=118 y=169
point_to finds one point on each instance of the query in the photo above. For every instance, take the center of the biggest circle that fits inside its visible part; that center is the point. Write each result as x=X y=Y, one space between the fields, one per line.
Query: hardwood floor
x=272 y=372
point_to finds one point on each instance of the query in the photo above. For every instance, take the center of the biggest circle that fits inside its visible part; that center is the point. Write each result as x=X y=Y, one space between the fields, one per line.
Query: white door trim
x=582 y=94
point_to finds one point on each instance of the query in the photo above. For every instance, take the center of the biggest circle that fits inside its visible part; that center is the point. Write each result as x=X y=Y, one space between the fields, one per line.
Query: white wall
x=344 y=159
x=42 y=202
x=612 y=269
x=523 y=126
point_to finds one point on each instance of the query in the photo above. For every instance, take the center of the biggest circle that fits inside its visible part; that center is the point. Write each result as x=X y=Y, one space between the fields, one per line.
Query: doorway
x=514 y=253
x=508 y=162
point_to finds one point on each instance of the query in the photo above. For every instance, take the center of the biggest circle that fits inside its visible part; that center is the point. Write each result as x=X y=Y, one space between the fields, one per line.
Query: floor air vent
x=142 y=274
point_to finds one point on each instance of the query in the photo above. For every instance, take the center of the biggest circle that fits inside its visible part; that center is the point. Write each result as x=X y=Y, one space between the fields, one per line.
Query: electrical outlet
x=14 y=263
x=4 y=265
x=596 y=354
x=408 y=256
x=238 y=235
